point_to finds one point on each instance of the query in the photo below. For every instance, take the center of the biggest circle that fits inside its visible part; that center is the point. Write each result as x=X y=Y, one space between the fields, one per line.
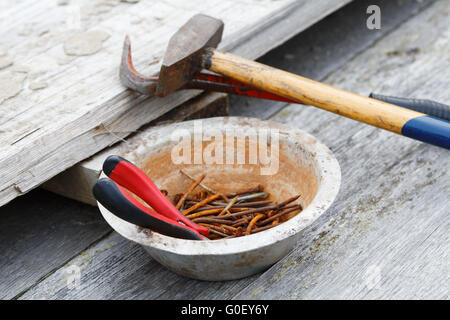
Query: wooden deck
x=60 y=97
x=387 y=235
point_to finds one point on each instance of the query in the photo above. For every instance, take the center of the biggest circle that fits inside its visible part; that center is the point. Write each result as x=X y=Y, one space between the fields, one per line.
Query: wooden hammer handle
x=374 y=112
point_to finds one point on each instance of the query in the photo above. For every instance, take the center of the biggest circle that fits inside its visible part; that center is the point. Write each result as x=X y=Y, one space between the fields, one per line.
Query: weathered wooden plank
x=42 y=273
x=118 y=269
x=82 y=176
x=387 y=234
x=41 y=232
x=326 y=46
x=76 y=182
x=365 y=206
x=81 y=100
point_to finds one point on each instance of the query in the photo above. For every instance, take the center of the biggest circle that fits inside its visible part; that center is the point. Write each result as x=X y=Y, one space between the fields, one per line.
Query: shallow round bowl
x=304 y=166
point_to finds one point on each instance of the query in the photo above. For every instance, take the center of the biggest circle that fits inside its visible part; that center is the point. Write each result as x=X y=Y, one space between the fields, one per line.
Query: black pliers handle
x=162 y=217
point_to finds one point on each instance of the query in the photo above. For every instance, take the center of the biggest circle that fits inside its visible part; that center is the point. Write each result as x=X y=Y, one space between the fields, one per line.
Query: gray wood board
x=119 y=269
x=40 y=233
x=386 y=235
x=77 y=182
x=80 y=100
x=352 y=32
x=15 y=284
x=326 y=46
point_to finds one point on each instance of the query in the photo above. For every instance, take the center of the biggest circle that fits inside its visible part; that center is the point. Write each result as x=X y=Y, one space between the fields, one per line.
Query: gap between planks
x=315 y=255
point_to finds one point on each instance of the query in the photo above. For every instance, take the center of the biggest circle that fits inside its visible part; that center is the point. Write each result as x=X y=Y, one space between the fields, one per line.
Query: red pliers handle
x=163 y=217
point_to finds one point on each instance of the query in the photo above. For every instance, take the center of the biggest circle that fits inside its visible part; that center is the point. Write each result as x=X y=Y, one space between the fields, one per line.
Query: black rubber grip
x=111 y=162
x=428 y=107
x=109 y=195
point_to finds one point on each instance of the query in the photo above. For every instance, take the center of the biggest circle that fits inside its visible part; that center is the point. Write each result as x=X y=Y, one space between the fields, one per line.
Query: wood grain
x=326 y=46
x=77 y=182
x=386 y=237
x=132 y=274
x=40 y=233
x=82 y=102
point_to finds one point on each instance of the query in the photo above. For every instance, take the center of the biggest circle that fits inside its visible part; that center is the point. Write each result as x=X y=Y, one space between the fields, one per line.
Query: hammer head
x=183 y=56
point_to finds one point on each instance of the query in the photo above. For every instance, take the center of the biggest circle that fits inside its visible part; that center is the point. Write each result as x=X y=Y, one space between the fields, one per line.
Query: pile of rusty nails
x=234 y=214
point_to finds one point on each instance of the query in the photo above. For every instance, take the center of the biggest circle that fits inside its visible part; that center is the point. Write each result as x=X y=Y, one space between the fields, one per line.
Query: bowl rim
x=329 y=184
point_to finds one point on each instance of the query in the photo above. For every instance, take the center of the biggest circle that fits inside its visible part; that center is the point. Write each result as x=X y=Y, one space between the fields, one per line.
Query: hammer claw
x=132 y=79
x=147 y=85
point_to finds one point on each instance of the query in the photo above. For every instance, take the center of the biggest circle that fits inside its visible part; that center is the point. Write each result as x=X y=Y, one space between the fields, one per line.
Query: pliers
x=162 y=217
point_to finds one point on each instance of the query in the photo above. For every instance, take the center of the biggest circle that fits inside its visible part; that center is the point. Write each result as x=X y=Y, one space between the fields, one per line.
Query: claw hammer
x=193 y=48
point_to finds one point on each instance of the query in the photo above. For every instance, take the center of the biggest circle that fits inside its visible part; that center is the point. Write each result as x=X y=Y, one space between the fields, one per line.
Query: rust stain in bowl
x=293 y=177
x=306 y=167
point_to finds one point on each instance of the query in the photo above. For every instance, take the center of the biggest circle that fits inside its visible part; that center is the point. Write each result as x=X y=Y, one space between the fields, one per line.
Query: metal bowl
x=305 y=166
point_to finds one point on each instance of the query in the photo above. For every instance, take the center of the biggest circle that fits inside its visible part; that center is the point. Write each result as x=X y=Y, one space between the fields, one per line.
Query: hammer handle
x=383 y=115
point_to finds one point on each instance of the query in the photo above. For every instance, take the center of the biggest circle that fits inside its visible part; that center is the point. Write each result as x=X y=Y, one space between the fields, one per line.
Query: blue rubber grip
x=428 y=129
x=429 y=107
